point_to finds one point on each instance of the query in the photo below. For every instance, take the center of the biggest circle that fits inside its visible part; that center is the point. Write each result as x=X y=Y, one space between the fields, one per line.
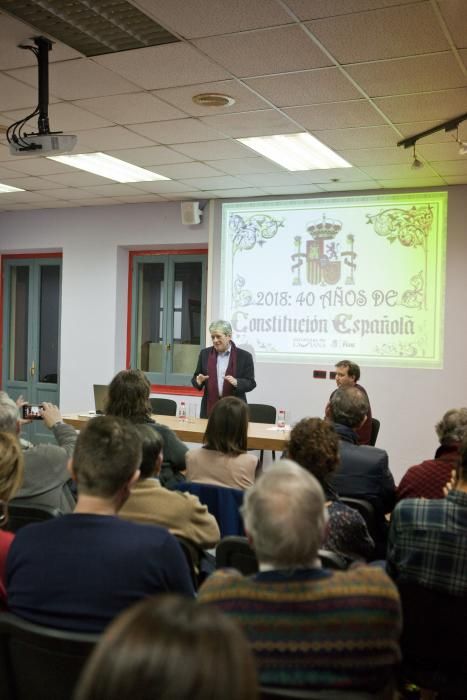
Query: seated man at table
x=309 y=627
x=78 y=571
x=149 y=502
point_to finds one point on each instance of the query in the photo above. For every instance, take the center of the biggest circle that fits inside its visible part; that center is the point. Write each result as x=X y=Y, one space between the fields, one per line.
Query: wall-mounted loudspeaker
x=191 y=213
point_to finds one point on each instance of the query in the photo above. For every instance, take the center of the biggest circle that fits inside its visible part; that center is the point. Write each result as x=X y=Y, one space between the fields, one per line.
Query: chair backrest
x=40 y=662
x=279 y=693
x=434 y=639
x=164 y=407
x=193 y=555
x=222 y=502
x=20 y=515
x=331 y=560
x=261 y=413
x=236 y=553
x=366 y=510
x=375 y=424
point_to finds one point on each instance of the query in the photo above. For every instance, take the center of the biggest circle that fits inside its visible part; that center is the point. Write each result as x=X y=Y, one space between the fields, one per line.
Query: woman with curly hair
x=128 y=398
x=11 y=476
x=314 y=445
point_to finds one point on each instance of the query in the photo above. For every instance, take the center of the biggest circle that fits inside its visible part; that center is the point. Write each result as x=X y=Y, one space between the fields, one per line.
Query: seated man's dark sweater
x=79 y=571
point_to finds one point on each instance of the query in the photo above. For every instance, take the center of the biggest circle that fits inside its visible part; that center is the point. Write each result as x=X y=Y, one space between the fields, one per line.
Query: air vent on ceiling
x=213 y=99
x=92 y=29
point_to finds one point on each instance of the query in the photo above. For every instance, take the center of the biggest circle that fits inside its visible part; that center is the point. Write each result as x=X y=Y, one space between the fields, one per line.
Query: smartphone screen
x=31 y=412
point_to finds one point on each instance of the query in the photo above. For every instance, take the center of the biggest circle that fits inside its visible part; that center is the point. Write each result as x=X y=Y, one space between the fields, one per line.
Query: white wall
x=95 y=243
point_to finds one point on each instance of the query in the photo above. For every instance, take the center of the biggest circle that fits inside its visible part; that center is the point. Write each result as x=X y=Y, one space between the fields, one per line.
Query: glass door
x=31 y=333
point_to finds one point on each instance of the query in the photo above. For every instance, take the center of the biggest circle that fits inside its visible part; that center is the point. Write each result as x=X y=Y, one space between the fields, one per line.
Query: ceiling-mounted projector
x=43 y=144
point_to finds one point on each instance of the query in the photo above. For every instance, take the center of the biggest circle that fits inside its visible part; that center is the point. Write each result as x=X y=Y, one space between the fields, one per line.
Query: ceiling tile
x=149 y=156
x=215 y=183
x=163 y=186
x=140 y=198
x=411 y=183
x=305 y=9
x=16 y=95
x=184 y=170
x=306 y=87
x=64 y=116
x=8 y=173
x=412 y=74
x=456 y=179
x=416 y=127
x=450 y=167
x=384 y=33
x=178 y=131
x=36 y=166
x=77 y=178
x=292 y=189
x=68 y=193
x=77 y=79
x=436 y=106
x=264 y=180
x=241 y=192
x=336 y=115
x=140 y=107
x=181 y=97
x=246 y=166
x=27 y=183
x=199 y=17
x=440 y=151
x=455 y=16
x=366 y=137
x=280 y=50
x=113 y=190
x=370 y=156
x=332 y=174
x=213 y=150
x=111 y=137
x=359 y=185
x=400 y=171
x=260 y=123
x=163 y=66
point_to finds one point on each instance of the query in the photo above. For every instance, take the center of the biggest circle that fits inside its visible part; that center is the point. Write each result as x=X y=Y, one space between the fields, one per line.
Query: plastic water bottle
x=281 y=419
x=182 y=411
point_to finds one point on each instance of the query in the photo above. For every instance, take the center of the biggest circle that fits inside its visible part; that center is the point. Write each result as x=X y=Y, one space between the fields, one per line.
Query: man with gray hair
x=46 y=478
x=427 y=479
x=363 y=471
x=223 y=369
x=289 y=609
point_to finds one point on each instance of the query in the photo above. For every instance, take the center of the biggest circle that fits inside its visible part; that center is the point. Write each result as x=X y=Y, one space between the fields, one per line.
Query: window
x=168 y=301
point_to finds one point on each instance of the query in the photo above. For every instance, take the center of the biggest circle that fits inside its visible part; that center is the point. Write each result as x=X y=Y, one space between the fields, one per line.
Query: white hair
x=285 y=515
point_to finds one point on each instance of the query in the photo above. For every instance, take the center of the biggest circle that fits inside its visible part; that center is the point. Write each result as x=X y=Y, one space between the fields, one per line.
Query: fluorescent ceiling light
x=108 y=166
x=296 y=151
x=7 y=188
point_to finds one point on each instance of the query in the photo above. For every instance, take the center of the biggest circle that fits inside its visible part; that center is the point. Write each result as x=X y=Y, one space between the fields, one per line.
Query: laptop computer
x=100 y=397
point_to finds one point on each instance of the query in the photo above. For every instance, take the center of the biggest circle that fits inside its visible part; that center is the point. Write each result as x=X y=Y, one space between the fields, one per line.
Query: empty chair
x=375 y=424
x=23 y=514
x=262 y=413
x=40 y=662
x=236 y=553
x=164 y=407
x=222 y=502
x=366 y=510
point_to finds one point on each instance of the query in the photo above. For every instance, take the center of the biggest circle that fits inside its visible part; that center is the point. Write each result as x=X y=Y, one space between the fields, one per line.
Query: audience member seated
x=348 y=374
x=427 y=480
x=171 y=649
x=46 y=478
x=11 y=475
x=128 y=398
x=427 y=541
x=363 y=471
x=79 y=571
x=314 y=445
x=309 y=627
x=149 y=502
x=223 y=460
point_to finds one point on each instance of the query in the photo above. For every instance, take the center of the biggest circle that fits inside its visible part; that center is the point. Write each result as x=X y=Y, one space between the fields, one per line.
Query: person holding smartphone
x=46 y=479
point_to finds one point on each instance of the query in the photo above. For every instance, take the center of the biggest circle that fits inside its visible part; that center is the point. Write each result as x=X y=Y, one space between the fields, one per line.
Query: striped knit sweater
x=315 y=628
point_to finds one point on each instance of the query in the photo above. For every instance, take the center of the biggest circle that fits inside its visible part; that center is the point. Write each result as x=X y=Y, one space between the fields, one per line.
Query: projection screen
x=319 y=279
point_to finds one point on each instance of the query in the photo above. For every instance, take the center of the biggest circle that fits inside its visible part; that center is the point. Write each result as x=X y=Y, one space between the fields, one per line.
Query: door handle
x=33 y=369
x=168 y=346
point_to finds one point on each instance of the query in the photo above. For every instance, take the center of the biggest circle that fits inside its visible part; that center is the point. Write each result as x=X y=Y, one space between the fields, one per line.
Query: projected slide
x=321 y=279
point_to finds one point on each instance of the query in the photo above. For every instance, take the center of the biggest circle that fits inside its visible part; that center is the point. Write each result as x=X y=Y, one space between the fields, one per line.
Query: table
x=261 y=436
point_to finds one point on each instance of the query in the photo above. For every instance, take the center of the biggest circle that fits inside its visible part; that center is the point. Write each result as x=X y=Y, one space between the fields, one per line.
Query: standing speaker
x=191 y=213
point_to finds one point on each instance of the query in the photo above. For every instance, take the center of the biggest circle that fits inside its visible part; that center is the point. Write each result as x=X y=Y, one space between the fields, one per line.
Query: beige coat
x=181 y=513
x=212 y=467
